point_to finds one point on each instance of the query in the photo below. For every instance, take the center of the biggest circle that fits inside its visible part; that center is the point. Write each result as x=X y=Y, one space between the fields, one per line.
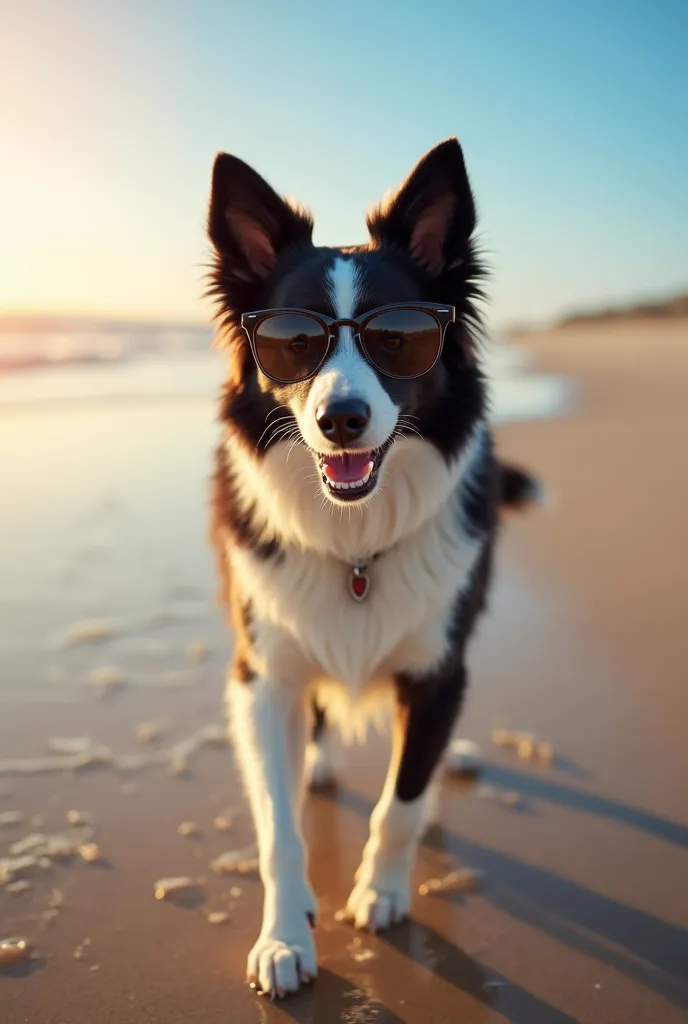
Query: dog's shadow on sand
x=529 y=785
x=331 y=999
x=334 y=998
x=643 y=947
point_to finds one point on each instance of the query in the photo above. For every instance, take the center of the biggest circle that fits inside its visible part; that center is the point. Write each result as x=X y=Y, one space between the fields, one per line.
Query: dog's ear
x=248 y=223
x=432 y=215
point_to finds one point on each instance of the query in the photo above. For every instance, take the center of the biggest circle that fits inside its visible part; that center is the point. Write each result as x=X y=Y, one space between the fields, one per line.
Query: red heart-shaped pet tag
x=359 y=584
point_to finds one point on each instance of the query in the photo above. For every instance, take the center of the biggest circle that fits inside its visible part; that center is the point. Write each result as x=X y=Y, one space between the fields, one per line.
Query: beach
x=109 y=623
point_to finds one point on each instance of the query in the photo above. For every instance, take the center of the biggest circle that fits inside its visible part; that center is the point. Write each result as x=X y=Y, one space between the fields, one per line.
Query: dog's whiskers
x=404 y=428
x=285 y=428
x=277 y=409
x=289 y=418
x=284 y=432
x=405 y=420
x=296 y=440
x=270 y=427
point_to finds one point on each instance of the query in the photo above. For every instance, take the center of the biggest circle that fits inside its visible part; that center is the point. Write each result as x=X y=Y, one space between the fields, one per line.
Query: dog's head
x=348 y=405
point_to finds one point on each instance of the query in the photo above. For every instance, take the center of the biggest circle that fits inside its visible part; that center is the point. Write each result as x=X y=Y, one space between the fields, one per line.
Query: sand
x=581 y=914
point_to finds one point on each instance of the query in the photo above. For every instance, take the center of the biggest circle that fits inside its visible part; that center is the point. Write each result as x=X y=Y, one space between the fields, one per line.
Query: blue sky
x=572 y=116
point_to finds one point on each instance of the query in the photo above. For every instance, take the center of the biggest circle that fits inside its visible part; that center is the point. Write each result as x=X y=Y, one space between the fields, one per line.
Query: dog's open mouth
x=351 y=475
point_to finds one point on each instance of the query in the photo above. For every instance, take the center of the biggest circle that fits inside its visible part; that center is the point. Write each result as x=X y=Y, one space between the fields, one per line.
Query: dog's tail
x=518 y=488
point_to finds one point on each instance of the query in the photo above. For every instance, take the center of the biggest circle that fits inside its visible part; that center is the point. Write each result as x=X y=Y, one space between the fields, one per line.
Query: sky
x=572 y=115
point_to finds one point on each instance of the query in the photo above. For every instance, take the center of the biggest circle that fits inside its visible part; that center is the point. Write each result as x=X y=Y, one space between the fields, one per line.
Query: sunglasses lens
x=290 y=346
x=403 y=342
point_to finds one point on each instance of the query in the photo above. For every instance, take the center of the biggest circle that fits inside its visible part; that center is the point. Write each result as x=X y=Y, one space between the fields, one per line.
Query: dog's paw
x=278 y=966
x=284 y=956
x=379 y=903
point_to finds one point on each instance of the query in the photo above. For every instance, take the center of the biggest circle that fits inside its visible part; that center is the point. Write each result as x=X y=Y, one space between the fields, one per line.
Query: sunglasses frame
x=442 y=314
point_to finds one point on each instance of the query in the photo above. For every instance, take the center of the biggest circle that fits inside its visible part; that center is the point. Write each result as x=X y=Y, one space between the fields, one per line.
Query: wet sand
x=583 y=912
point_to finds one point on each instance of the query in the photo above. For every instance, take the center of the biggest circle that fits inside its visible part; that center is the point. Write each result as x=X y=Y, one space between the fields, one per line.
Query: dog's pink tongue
x=346 y=469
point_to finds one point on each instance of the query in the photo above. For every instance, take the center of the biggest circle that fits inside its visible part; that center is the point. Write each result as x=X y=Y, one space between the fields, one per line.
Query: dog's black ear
x=432 y=215
x=248 y=223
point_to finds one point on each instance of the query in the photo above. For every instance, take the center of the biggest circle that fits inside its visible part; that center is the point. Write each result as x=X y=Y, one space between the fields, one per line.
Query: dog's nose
x=343 y=420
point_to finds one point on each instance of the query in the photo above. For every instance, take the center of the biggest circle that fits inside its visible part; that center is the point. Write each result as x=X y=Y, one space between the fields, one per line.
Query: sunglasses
x=403 y=340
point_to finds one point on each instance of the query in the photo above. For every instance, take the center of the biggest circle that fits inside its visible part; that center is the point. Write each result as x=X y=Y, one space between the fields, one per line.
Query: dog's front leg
x=425 y=714
x=269 y=727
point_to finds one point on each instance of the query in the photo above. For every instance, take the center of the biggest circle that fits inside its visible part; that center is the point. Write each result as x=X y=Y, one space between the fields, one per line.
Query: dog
x=355 y=509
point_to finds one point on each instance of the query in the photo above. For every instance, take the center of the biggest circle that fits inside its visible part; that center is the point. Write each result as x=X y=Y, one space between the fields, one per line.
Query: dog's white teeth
x=341 y=485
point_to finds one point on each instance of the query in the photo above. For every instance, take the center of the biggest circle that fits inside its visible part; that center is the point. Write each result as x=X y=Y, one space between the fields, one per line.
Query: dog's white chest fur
x=306 y=621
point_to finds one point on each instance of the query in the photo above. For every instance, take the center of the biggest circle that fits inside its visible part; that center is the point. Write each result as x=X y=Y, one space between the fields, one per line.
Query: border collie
x=355 y=511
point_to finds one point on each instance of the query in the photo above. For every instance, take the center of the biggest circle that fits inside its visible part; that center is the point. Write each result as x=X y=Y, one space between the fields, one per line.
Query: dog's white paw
x=379 y=902
x=284 y=956
x=280 y=963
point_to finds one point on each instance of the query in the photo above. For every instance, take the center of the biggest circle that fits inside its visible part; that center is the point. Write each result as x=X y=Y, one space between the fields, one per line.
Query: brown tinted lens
x=402 y=342
x=290 y=346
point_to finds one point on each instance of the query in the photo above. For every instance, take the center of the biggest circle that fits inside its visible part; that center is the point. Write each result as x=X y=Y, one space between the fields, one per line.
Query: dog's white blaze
x=346 y=374
x=344 y=286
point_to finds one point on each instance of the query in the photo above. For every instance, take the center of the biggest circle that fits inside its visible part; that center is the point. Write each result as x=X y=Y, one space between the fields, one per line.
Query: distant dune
x=666 y=309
